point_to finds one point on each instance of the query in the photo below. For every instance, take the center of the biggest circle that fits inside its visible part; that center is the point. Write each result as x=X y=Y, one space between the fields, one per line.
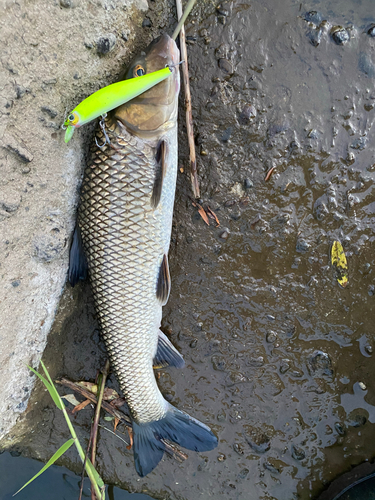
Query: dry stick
x=172 y=450
x=94 y=429
x=189 y=117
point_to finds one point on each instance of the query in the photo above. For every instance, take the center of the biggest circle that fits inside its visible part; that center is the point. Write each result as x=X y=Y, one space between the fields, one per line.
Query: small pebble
x=238 y=448
x=106 y=43
x=226 y=66
x=302 y=246
x=340 y=429
x=315 y=36
x=371 y=30
x=369 y=349
x=248 y=184
x=340 y=35
x=221 y=457
x=271 y=337
x=222 y=10
x=284 y=367
x=362 y=386
x=298 y=453
x=356 y=420
x=146 y=23
x=313 y=17
x=243 y=473
x=359 y=143
x=246 y=114
x=221 y=416
x=224 y=235
x=193 y=343
x=16 y=283
x=66 y=3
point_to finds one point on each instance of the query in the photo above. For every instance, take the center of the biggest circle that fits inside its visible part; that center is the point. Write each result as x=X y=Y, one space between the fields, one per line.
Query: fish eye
x=71 y=118
x=139 y=70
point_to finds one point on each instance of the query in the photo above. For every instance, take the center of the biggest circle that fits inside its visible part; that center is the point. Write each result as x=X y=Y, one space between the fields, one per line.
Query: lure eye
x=71 y=118
x=138 y=70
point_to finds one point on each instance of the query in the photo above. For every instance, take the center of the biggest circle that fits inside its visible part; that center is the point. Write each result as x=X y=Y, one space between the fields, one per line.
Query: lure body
x=110 y=97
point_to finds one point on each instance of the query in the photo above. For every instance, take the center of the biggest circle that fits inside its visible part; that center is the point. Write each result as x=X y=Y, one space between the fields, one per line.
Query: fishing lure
x=110 y=97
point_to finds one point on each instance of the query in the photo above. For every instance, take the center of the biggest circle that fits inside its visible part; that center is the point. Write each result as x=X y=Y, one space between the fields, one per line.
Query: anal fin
x=77 y=259
x=167 y=354
x=163 y=286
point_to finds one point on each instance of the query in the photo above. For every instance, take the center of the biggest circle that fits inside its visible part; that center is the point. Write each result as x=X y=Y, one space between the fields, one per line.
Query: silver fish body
x=124 y=227
x=125 y=240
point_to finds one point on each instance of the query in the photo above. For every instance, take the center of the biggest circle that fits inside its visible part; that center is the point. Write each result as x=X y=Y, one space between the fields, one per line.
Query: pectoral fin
x=161 y=158
x=163 y=286
x=167 y=354
x=77 y=259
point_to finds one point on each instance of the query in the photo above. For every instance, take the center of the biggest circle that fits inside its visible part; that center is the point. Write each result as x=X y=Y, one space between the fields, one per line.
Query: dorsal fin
x=161 y=168
x=163 y=286
x=167 y=354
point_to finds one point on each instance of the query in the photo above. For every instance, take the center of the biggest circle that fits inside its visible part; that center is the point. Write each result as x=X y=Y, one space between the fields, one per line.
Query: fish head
x=156 y=109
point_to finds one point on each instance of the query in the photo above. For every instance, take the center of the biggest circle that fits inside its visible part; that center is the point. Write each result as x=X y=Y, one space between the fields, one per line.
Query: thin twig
x=94 y=429
x=182 y=18
x=189 y=116
x=119 y=437
x=171 y=449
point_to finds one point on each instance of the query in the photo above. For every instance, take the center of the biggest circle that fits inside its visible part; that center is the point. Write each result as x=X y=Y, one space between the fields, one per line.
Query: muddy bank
x=278 y=356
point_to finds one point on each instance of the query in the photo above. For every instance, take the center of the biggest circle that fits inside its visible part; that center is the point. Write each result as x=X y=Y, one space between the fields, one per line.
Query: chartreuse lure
x=111 y=97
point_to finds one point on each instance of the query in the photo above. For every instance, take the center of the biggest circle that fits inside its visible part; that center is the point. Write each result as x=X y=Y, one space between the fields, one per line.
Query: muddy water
x=279 y=358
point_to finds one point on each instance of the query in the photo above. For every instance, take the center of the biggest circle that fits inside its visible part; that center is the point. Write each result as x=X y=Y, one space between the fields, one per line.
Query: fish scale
x=124 y=241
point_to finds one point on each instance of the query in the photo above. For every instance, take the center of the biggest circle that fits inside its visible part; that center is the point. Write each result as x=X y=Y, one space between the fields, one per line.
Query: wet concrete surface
x=279 y=358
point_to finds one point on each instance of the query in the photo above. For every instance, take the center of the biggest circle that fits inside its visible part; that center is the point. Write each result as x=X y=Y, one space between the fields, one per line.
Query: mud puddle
x=278 y=356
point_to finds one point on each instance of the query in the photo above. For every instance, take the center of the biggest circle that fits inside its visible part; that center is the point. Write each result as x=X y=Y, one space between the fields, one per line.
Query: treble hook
x=102 y=126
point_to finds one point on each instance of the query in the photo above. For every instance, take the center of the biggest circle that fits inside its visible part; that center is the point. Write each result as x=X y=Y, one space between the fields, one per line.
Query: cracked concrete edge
x=45 y=71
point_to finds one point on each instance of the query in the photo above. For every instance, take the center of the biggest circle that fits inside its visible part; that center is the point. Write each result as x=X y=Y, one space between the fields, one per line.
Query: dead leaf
x=203 y=214
x=117 y=420
x=81 y=406
x=117 y=403
x=90 y=386
x=110 y=394
x=71 y=399
x=339 y=263
x=130 y=432
x=214 y=216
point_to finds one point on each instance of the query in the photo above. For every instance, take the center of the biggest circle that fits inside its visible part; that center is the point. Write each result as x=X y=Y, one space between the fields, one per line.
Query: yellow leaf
x=339 y=263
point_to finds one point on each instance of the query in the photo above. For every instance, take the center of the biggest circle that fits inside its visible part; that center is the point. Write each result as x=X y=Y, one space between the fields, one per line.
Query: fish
x=121 y=242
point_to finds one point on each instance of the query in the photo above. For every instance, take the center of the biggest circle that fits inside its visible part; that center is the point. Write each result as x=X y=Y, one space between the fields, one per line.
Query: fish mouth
x=157 y=107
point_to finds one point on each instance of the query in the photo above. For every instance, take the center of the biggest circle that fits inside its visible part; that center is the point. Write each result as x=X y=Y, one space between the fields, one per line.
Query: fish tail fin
x=175 y=426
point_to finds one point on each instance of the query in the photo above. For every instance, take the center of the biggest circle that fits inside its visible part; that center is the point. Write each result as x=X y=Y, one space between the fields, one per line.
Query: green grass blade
x=51 y=461
x=51 y=389
x=98 y=479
